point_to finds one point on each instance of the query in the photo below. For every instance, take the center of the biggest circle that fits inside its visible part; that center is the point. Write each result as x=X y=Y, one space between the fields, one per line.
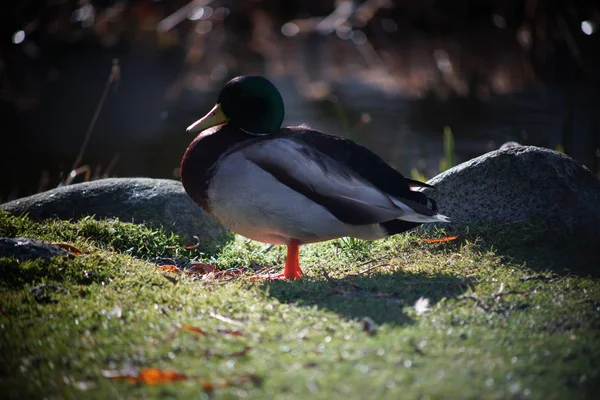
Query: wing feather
x=330 y=183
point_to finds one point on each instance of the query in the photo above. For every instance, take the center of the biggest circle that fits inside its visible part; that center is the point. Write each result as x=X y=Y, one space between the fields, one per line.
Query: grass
x=514 y=313
x=447 y=162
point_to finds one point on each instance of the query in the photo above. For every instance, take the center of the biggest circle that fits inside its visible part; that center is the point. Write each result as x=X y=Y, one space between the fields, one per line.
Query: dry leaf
x=441 y=240
x=150 y=376
x=201 y=268
x=168 y=268
x=192 y=329
x=68 y=247
x=230 y=332
x=155 y=376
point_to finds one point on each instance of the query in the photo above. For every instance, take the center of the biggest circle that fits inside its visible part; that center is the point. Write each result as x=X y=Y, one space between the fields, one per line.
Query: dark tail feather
x=433 y=204
x=398 y=226
x=420 y=197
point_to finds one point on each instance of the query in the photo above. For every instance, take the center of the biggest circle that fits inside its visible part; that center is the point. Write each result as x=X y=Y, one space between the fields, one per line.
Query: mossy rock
x=159 y=203
x=521 y=183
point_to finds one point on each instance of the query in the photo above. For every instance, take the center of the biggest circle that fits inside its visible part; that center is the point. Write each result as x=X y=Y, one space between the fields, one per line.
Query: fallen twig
x=441 y=240
x=502 y=293
x=170 y=279
x=477 y=300
x=202 y=332
x=226 y=319
x=329 y=278
x=267 y=270
x=371 y=261
x=355 y=286
x=498 y=295
x=369 y=269
x=543 y=278
x=193 y=246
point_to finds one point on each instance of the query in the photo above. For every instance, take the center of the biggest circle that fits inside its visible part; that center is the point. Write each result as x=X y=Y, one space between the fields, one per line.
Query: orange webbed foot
x=292 y=270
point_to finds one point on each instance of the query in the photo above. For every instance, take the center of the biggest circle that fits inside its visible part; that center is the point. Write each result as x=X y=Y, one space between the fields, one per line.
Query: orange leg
x=292 y=269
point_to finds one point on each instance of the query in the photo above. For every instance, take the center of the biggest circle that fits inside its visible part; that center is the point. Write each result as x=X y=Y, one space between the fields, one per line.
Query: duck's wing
x=335 y=183
x=354 y=157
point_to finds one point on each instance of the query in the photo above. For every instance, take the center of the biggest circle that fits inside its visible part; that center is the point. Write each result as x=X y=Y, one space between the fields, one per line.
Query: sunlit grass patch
x=501 y=314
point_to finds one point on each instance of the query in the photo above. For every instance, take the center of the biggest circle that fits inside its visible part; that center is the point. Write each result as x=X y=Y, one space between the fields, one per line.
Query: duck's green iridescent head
x=250 y=103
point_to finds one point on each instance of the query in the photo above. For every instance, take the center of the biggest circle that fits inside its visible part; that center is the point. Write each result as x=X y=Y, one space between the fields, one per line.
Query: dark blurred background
x=130 y=76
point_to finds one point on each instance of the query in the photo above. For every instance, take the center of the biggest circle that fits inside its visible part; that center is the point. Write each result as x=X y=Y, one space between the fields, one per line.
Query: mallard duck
x=295 y=185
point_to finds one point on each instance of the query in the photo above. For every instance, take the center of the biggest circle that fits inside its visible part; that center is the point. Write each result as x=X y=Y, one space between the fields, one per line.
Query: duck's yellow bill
x=213 y=118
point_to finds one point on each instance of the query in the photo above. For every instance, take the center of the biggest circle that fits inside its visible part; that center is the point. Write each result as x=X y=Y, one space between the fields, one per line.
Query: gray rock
x=156 y=202
x=27 y=249
x=520 y=183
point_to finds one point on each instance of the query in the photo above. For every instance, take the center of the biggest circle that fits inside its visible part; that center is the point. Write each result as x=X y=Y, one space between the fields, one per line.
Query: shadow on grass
x=381 y=297
x=539 y=246
x=18 y=274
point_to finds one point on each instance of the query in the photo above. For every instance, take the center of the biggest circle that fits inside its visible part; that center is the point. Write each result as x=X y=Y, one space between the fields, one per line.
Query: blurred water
x=149 y=133
x=408 y=132
x=334 y=89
